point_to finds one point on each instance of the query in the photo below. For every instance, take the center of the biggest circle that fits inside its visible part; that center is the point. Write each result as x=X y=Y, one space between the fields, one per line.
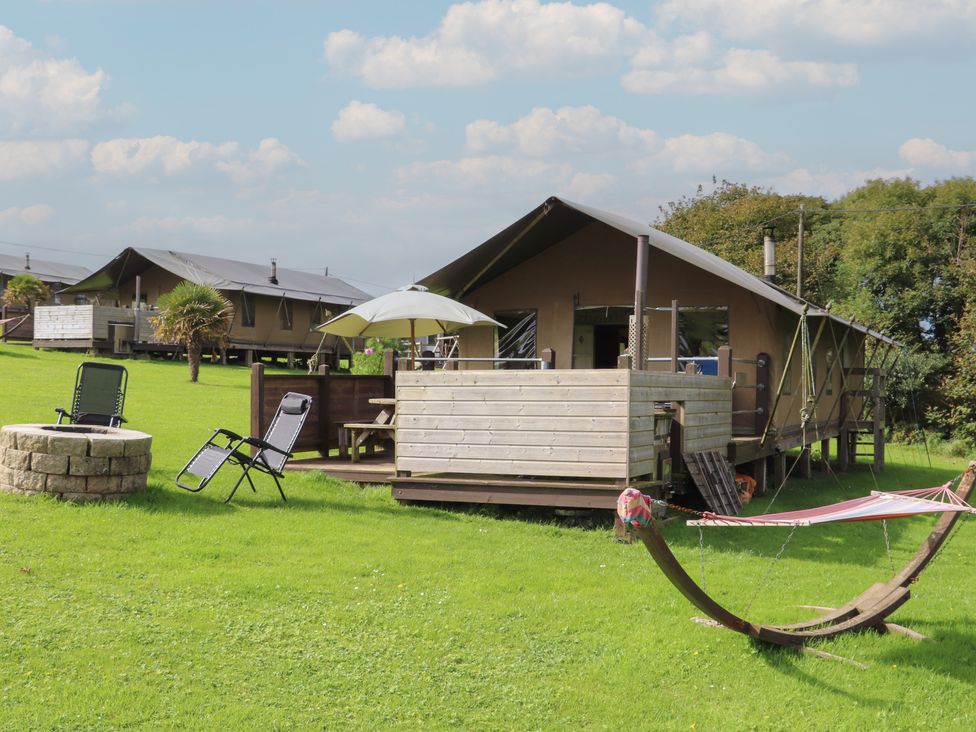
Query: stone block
x=133 y=483
x=17 y=459
x=27 y=481
x=8 y=438
x=138 y=446
x=6 y=475
x=67 y=445
x=103 y=484
x=91 y=465
x=130 y=465
x=32 y=441
x=105 y=446
x=51 y=464
x=66 y=483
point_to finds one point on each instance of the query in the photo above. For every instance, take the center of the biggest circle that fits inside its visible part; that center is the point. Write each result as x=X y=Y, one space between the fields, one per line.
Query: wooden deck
x=377 y=469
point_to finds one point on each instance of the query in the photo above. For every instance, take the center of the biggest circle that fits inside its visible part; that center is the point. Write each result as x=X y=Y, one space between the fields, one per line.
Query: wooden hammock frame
x=867 y=610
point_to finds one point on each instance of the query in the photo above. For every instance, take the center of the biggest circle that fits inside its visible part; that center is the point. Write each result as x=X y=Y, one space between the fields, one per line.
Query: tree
x=729 y=222
x=26 y=291
x=193 y=315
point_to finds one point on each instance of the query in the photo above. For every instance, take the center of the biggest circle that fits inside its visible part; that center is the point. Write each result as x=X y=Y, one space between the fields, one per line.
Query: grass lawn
x=342 y=609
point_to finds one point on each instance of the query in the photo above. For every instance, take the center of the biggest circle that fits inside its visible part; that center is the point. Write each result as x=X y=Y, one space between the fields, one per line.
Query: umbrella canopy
x=411 y=310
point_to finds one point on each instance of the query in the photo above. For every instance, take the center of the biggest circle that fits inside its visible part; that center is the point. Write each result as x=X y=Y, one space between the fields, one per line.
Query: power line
x=21 y=245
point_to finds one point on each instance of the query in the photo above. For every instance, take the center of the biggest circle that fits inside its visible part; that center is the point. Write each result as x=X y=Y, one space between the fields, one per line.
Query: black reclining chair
x=99 y=395
x=270 y=454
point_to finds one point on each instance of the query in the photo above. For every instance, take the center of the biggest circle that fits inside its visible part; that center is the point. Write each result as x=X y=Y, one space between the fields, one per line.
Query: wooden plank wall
x=550 y=423
x=704 y=406
x=63 y=322
x=336 y=399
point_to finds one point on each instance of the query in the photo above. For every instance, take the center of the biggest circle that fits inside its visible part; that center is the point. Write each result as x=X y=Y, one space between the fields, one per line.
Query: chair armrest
x=62 y=413
x=258 y=442
x=229 y=433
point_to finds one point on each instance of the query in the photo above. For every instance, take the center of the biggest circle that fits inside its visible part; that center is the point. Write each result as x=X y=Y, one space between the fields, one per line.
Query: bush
x=370 y=361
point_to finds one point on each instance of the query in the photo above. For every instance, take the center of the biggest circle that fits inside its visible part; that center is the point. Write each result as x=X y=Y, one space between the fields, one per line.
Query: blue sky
x=384 y=139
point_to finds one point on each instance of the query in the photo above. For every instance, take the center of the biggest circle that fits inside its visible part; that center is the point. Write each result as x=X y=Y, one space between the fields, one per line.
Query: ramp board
x=713 y=476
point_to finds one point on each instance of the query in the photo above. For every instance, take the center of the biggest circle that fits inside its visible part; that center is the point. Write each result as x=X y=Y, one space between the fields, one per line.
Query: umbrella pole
x=411 y=344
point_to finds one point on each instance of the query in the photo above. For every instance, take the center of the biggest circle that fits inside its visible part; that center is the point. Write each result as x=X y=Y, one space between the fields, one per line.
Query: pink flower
x=369 y=351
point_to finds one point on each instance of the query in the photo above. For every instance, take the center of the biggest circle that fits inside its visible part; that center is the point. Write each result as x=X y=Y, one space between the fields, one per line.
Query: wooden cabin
x=773 y=371
x=563 y=409
x=19 y=324
x=275 y=309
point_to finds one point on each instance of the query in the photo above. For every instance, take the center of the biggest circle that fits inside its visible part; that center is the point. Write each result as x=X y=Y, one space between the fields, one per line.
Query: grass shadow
x=947 y=652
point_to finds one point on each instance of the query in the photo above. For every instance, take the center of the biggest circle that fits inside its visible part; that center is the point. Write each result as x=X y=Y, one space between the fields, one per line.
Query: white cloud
x=208 y=226
x=44 y=94
x=35 y=214
x=365 y=121
x=716 y=152
x=870 y=22
x=830 y=184
x=480 y=171
x=478 y=42
x=25 y=159
x=270 y=157
x=569 y=129
x=172 y=156
x=585 y=186
x=927 y=153
x=735 y=71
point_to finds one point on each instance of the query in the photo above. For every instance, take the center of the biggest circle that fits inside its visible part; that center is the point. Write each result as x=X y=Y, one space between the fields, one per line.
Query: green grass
x=342 y=609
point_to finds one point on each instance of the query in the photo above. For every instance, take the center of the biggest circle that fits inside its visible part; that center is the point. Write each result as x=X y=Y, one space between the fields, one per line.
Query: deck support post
x=223 y=356
x=759 y=475
x=843 y=437
x=291 y=359
x=806 y=471
x=249 y=357
x=779 y=468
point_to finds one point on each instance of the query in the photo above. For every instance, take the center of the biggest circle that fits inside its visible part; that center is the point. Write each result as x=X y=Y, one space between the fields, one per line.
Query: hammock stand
x=867 y=610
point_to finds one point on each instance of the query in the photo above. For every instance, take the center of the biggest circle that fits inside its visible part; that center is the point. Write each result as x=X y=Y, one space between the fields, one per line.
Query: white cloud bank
x=365 y=121
x=172 y=156
x=40 y=94
x=478 y=42
x=35 y=214
x=857 y=22
x=927 y=153
x=26 y=159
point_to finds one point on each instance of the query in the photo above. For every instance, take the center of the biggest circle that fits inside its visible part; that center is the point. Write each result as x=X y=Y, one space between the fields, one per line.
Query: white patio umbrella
x=410 y=310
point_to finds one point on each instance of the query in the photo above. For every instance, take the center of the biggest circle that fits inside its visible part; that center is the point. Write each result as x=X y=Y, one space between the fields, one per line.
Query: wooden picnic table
x=356 y=434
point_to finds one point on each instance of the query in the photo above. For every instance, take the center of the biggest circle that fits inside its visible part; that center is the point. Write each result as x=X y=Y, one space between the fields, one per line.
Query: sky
x=383 y=139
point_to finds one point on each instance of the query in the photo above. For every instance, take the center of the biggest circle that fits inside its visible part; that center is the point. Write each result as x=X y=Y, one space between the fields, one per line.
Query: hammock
x=637 y=509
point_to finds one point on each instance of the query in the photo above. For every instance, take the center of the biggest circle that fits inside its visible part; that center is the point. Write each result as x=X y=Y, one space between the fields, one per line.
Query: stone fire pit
x=75 y=462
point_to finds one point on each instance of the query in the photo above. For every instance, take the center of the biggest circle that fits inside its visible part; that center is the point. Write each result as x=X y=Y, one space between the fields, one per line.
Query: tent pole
x=411 y=344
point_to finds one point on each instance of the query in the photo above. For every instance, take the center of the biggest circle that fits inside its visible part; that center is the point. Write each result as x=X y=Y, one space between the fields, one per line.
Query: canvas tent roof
x=558 y=218
x=223 y=274
x=43 y=270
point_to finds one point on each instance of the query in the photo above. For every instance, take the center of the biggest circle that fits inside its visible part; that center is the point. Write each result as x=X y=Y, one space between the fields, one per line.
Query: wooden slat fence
x=336 y=399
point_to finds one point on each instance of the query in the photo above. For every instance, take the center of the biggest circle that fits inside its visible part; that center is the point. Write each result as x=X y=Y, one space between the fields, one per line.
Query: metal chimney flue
x=27 y=265
x=769 y=254
x=273 y=279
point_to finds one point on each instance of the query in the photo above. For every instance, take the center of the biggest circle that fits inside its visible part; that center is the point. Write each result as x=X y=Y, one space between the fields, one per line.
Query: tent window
x=517 y=340
x=248 y=312
x=284 y=314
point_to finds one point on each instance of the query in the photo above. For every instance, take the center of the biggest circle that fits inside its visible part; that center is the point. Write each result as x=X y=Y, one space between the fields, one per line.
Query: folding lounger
x=99 y=395
x=270 y=456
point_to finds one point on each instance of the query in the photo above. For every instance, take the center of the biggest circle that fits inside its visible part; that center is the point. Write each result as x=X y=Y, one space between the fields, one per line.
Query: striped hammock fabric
x=875 y=507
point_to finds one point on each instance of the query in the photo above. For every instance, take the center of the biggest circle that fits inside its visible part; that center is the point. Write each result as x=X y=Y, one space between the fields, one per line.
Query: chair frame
x=233 y=443
x=75 y=416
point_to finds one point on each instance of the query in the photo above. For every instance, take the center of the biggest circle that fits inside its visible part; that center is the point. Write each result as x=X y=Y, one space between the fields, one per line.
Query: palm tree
x=25 y=290
x=193 y=315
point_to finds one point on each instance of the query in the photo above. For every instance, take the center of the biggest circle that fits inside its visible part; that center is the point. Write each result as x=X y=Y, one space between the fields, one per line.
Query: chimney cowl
x=769 y=254
x=273 y=279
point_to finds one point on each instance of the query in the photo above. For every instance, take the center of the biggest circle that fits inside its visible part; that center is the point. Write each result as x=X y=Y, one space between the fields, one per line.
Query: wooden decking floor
x=375 y=469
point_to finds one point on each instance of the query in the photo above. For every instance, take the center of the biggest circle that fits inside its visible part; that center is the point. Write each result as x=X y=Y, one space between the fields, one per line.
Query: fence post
x=624 y=361
x=725 y=362
x=257 y=400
